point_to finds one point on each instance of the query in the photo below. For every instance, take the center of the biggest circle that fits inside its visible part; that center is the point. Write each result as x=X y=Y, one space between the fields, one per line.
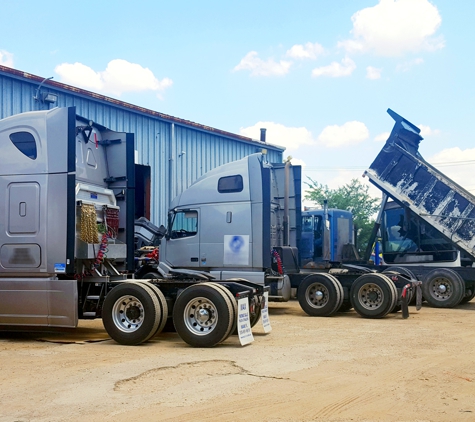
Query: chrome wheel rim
x=128 y=313
x=200 y=316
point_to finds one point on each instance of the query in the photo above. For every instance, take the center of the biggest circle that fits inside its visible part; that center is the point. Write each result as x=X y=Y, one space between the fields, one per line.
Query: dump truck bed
x=400 y=171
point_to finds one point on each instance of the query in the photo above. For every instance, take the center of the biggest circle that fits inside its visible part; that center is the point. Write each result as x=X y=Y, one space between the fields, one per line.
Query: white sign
x=265 y=313
x=236 y=250
x=243 y=323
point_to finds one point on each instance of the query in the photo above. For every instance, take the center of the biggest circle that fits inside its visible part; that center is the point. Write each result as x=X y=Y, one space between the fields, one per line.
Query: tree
x=353 y=197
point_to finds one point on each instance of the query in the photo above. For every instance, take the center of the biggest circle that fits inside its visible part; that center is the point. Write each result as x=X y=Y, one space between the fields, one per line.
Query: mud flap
x=404 y=301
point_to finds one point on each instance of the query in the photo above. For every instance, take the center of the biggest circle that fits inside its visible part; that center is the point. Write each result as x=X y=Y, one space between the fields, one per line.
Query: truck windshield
x=407 y=238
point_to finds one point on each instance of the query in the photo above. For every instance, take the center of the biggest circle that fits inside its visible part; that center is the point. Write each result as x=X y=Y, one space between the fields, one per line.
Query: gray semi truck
x=67 y=240
x=242 y=220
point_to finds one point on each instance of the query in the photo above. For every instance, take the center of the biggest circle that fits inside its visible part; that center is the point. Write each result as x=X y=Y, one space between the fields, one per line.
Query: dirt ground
x=342 y=368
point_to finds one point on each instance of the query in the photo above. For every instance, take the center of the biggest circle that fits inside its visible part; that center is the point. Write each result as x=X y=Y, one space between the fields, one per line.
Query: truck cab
x=231 y=221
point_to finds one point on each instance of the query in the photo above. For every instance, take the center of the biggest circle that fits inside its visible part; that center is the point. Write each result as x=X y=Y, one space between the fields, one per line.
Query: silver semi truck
x=243 y=220
x=67 y=240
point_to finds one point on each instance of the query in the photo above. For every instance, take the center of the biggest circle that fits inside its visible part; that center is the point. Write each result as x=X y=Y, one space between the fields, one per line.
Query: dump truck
x=425 y=226
x=67 y=241
x=428 y=228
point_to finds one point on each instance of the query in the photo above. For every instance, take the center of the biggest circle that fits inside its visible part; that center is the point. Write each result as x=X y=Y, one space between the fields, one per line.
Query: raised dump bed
x=400 y=171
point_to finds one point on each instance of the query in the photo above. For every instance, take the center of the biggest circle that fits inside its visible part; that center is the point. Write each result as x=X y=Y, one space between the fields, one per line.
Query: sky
x=319 y=75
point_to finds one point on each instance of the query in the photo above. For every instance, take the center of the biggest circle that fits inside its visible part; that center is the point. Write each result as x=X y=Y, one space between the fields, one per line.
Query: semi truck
x=242 y=220
x=67 y=241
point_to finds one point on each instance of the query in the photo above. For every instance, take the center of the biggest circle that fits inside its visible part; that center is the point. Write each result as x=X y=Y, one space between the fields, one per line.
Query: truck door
x=182 y=245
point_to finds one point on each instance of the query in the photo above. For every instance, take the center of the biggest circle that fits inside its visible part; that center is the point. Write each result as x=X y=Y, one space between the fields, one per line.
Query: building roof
x=18 y=74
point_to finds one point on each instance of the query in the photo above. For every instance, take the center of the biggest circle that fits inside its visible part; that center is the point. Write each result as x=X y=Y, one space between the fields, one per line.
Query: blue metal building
x=171 y=153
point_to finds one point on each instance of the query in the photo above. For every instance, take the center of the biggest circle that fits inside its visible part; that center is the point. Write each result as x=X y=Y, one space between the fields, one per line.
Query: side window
x=25 y=142
x=230 y=184
x=185 y=224
x=307 y=223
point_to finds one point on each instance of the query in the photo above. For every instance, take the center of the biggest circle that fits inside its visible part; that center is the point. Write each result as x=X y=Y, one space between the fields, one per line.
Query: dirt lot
x=343 y=368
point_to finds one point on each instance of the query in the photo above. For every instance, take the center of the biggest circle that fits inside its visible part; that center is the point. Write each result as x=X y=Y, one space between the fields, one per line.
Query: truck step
x=89 y=314
x=93 y=297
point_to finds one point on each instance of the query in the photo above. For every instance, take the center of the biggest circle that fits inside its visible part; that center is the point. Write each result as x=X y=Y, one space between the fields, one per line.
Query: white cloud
x=457 y=164
x=394 y=27
x=382 y=137
x=404 y=67
x=373 y=72
x=290 y=138
x=259 y=67
x=307 y=51
x=427 y=131
x=120 y=76
x=336 y=70
x=350 y=133
x=6 y=58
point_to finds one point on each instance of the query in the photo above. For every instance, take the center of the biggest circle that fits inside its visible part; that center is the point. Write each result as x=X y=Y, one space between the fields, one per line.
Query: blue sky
x=319 y=75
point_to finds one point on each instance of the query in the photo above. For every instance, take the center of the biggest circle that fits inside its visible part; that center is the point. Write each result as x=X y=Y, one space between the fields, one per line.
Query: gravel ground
x=342 y=368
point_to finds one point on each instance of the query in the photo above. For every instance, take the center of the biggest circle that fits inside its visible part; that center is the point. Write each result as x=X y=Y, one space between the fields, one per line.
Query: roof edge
x=61 y=86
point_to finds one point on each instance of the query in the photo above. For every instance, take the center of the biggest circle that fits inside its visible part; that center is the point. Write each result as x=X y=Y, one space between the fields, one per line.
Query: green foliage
x=353 y=197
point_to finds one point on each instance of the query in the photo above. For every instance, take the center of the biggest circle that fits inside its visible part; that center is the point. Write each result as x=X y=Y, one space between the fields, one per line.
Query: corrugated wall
x=177 y=154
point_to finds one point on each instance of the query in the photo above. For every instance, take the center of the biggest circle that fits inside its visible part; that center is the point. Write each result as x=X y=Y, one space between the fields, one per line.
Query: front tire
x=373 y=295
x=203 y=315
x=131 y=313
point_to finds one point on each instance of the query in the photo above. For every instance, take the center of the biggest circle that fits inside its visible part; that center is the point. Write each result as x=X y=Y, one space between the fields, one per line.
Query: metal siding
x=154 y=141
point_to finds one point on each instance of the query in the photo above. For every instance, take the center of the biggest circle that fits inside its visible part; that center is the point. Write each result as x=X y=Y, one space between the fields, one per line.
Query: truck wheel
x=373 y=295
x=131 y=313
x=162 y=301
x=202 y=315
x=233 y=303
x=408 y=273
x=320 y=294
x=443 y=288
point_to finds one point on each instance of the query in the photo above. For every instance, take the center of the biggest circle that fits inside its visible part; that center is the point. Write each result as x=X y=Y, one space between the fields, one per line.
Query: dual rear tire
x=133 y=312
x=373 y=295
x=204 y=314
x=320 y=294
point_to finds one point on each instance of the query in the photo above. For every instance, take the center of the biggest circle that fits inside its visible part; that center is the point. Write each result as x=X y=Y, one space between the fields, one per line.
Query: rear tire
x=320 y=294
x=131 y=313
x=162 y=301
x=202 y=315
x=233 y=303
x=443 y=288
x=373 y=295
